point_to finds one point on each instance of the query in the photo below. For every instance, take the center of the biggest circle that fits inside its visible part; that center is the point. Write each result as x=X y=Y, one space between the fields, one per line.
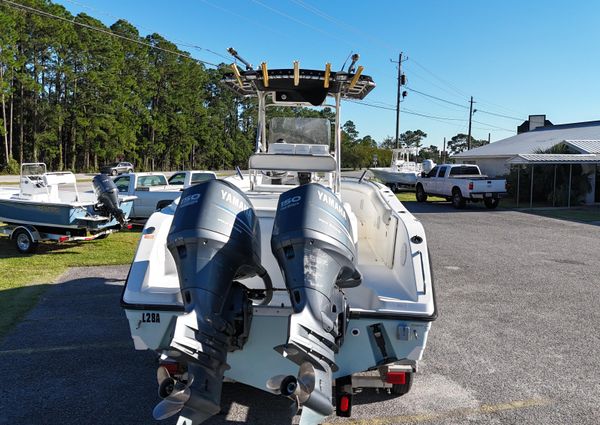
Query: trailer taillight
x=396 y=378
x=470 y=185
x=63 y=239
x=343 y=405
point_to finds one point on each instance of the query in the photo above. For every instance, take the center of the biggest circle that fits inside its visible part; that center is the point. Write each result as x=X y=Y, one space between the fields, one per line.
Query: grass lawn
x=23 y=278
x=581 y=214
x=410 y=197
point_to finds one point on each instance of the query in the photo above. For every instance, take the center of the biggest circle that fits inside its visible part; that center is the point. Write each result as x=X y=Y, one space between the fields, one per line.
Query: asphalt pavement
x=516 y=341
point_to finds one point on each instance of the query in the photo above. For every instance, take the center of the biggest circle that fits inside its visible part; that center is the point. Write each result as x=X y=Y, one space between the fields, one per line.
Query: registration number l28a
x=150 y=317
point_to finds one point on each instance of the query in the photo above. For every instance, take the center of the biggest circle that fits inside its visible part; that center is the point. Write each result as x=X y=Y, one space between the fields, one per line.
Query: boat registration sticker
x=150 y=317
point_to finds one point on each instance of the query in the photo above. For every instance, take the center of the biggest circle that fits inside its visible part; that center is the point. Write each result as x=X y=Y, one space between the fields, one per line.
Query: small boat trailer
x=26 y=236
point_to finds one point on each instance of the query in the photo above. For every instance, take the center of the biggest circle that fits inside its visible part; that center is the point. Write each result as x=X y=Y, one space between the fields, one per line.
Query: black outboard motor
x=214 y=239
x=108 y=198
x=312 y=241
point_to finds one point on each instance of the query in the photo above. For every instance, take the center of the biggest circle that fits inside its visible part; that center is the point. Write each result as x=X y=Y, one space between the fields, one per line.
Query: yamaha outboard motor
x=214 y=239
x=312 y=241
x=107 y=194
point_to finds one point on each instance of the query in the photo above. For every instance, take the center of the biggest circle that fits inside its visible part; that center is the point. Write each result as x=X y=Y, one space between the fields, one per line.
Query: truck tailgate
x=488 y=186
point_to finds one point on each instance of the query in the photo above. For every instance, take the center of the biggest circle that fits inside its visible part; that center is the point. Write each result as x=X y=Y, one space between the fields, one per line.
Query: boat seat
x=53 y=179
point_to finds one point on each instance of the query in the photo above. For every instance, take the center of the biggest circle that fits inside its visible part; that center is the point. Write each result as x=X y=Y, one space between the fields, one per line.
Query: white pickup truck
x=460 y=183
x=152 y=190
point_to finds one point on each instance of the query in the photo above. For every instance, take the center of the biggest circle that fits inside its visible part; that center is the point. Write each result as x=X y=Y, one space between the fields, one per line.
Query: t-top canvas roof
x=300 y=85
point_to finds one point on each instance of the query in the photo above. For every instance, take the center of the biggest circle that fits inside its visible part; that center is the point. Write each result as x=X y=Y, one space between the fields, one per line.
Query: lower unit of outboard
x=312 y=241
x=214 y=239
x=107 y=194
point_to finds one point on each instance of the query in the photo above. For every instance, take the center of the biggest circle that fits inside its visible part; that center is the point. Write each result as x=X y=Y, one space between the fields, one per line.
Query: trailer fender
x=32 y=231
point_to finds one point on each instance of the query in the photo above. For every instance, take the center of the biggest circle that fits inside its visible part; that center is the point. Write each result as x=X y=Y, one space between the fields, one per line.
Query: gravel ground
x=515 y=343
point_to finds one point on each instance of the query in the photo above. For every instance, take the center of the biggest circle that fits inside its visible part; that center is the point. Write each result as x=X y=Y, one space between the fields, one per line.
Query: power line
x=494 y=126
x=463 y=106
x=449 y=84
x=437 y=118
x=102 y=30
x=291 y=18
x=417 y=73
x=437 y=98
x=411 y=112
x=484 y=101
x=408 y=111
x=500 y=115
x=316 y=11
x=321 y=14
x=245 y=18
x=178 y=42
x=442 y=104
x=387 y=108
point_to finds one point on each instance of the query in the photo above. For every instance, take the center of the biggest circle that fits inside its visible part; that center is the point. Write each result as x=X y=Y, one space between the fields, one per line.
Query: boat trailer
x=27 y=237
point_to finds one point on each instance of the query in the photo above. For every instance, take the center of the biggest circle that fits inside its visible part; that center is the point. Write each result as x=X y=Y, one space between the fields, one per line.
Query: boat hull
x=266 y=332
x=54 y=215
x=398 y=178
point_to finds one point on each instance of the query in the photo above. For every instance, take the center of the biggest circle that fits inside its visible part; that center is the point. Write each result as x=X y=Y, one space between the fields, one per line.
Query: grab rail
x=422 y=272
x=360 y=180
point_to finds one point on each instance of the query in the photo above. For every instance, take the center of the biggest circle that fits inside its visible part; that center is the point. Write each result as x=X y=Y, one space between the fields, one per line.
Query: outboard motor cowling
x=107 y=194
x=312 y=241
x=214 y=240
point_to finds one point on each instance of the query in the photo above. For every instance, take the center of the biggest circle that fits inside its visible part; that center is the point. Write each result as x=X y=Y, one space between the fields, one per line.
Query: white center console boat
x=289 y=278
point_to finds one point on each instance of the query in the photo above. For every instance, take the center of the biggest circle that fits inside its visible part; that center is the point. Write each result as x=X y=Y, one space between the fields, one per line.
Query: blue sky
x=515 y=58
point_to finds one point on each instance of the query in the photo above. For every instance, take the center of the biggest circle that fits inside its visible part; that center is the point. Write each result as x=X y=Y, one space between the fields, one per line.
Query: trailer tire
x=420 y=193
x=113 y=172
x=491 y=203
x=23 y=241
x=458 y=201
x=401 y=389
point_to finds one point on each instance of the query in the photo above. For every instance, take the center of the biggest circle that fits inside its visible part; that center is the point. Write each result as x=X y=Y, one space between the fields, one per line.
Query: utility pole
x=401 y=82
x=470 y=117
x=444 y=152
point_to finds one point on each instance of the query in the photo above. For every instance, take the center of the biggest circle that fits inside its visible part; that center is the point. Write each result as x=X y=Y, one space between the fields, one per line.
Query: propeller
x=174 y=392
x=302 y=390
x=274 y=383
x=298 y=388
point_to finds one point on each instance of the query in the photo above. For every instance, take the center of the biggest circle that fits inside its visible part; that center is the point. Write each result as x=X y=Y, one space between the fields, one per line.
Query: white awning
x=544 y=158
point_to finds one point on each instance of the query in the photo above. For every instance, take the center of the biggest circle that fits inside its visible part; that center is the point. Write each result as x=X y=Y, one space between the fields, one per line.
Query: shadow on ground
x=71 y=361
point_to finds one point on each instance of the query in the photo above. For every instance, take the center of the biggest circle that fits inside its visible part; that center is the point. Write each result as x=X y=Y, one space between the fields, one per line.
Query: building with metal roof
x=584 y=146
x=581 y=140
x=583 y=137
